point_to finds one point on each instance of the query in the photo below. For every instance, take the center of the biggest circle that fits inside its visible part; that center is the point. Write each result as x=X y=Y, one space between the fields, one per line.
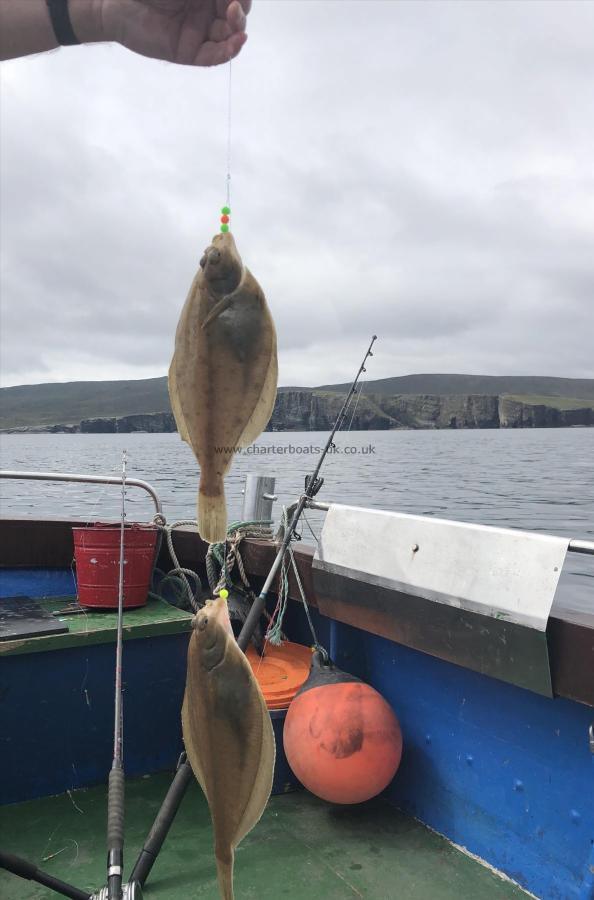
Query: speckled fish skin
x=227 y=734
x=223 y=375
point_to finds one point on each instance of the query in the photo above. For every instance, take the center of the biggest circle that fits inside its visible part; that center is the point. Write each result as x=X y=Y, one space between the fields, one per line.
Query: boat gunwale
x=47 y=542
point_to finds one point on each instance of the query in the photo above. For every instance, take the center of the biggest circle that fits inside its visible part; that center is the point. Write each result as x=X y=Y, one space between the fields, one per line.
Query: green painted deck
x=302 y=848
x=157 y=617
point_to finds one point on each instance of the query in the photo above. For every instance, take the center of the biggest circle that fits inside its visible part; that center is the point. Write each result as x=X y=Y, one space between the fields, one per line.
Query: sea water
x=532 y=479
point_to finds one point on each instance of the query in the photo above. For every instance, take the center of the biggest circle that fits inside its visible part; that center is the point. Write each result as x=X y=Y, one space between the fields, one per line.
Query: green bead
x=224 y=228
x=226 y=211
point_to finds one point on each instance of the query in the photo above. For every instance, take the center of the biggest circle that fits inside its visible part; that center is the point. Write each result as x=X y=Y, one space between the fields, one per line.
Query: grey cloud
x=436 y=188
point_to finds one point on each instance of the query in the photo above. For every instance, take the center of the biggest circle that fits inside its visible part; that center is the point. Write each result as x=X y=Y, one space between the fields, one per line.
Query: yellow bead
x=223 y=593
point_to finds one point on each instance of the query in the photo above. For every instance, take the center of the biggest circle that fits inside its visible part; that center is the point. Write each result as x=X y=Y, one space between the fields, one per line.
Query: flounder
x=227 y=734
x=223 y=375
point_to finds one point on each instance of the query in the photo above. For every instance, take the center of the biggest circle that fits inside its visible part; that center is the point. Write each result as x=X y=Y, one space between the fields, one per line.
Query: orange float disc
x=280 y=672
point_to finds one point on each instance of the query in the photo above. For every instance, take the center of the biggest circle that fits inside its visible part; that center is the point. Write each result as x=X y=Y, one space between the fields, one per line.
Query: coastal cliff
x=302 y=410
x=153 y=423
x=515 y=414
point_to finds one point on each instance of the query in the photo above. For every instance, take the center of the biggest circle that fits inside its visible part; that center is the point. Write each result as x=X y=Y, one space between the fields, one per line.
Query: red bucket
x=97 y=556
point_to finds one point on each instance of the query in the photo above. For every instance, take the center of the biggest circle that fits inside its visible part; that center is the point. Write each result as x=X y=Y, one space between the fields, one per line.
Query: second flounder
x=227 y=733
x=223 y=375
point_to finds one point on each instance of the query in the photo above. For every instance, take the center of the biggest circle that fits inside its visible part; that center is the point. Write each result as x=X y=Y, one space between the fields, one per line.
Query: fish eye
x=214 y=256
x=202 y=623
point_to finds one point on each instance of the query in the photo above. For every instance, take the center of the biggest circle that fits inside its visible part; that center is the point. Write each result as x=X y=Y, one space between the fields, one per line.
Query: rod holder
x=258 y=498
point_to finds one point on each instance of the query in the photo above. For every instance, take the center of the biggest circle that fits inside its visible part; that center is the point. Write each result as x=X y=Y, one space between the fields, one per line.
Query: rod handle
x=115 y=810
x=24 y=869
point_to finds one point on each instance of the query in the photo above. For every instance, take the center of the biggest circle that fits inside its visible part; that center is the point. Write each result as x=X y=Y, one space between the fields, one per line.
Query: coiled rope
x=226 y=559
x=217 y=554
x=178 y=576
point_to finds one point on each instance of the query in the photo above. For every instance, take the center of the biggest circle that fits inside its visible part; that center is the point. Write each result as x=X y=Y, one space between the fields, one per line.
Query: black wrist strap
x=60 y=19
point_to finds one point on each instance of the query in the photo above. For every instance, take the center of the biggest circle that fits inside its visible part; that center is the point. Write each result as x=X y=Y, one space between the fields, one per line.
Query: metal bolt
x=518 y=785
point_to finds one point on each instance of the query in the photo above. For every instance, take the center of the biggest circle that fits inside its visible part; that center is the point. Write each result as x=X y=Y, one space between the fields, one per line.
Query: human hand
x=190 y=32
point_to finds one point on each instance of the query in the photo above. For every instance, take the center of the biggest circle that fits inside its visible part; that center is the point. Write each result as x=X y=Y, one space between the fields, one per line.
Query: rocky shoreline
x=317 y=411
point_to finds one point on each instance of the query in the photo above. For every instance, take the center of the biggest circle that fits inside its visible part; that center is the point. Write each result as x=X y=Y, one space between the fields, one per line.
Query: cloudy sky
x=420 y=170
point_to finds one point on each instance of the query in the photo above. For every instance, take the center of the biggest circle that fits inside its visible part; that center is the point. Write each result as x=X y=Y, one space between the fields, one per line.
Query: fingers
x=237 y=13
x=223 y=4
x=234 y=12
x=232 y=20
x=214 y=53
x=219 y=31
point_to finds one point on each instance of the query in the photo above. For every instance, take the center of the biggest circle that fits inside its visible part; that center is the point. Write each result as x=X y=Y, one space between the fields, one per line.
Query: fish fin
x=263 y=411
x=263 y=780
x=175 y=404
x=212 y=516
x=187 y=727
x=225 y=873
x=216 y=311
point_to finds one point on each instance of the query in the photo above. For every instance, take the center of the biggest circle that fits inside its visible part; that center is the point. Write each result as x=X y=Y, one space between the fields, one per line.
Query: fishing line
x=313 y=534
x=226 y=209
x=229 y=138
x=356 y=405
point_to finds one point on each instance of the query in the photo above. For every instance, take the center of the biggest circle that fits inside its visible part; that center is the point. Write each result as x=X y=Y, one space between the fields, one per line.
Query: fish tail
x=212 y=515
x=225 y=875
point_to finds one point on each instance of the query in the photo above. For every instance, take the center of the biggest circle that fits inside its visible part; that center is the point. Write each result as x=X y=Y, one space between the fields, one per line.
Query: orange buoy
x=342 y=740
x=280 y=672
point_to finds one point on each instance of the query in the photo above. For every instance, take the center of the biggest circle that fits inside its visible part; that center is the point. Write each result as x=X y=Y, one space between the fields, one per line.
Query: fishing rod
x=115 y=790
x=115 y=890
x=184 y=775
x=313 y=483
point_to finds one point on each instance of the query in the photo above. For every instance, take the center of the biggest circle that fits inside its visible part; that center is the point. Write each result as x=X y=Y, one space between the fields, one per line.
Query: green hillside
x=70 y=402
x=543 y=386
x=554 y=402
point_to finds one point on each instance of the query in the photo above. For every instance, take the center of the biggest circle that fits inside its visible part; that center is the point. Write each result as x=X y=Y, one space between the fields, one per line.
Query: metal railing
x=86 y=479
x=576 y=546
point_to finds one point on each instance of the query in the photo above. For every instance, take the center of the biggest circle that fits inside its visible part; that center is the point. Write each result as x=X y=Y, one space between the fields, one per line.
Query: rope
x=274 y=631
x=227 y=559
x=179 y=574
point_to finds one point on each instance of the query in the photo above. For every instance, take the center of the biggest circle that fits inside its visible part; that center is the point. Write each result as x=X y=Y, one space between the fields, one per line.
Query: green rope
x=274 y=633
x=218 y=556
